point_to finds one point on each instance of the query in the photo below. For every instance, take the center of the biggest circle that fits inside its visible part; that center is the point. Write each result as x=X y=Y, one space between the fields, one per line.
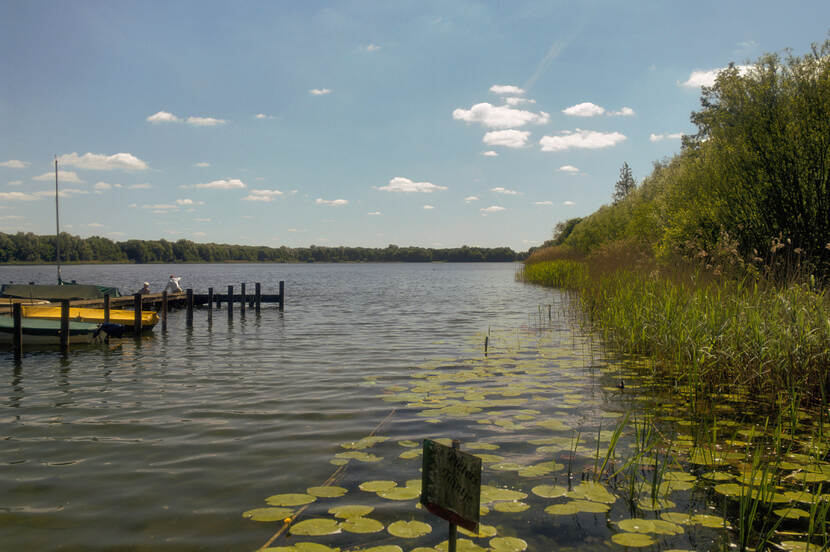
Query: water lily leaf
x=507 y=466
x=678 y=476
x=290 y=499
x=328 y=491
x=718 y=476
x=480 y=446
x=706 y=520
x=268 y=514
x=408 y=443
x=549 y=491
x=484 y=531
x=462 y=545
x=796 y=546
x=409 y=529
x=591 y=490
x=377 y=486
x=507 y=544
x=792 y=513
x=490 y=458
x=400 y=493
x=510 y=507
x=633 y=540
x=302 y=547
x=358 y=455
x=589 y=506
x=677 y=517
x=384 y=548
x=350 y=511
x=729 y=489
x=651 y=504
x=410 y=454
x=562 y=509
x=315 y=527
x=361 y=525
x=553 y=425
x=663 y=527
x=364 y=443
x=636 y=525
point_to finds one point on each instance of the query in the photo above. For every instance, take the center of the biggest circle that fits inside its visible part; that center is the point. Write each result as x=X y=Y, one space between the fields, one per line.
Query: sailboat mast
x=57 y=225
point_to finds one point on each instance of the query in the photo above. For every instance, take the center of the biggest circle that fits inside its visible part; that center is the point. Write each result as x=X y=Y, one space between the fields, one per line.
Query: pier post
x=282 y=295
x=242 y=299
x=210 y=305
x=189 y=307
x=64 y=326
x=138 y=306
x=257 y=296
x=164 y=310
x=107 y=308
x=230 y=302
x=17 y=337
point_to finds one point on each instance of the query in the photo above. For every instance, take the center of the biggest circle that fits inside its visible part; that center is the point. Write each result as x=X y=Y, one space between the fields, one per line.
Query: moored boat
x=37 y=331
x=117 y=316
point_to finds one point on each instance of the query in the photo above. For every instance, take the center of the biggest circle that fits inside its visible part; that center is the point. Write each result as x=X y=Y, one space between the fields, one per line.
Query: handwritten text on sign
x=451 y=484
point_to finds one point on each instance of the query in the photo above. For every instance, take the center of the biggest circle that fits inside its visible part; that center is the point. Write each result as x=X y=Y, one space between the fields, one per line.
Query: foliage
x=29 y=248
x=625 y=185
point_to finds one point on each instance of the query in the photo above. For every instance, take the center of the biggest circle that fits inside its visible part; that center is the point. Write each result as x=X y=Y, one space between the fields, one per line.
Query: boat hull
x=117 y=316
x=46 y=332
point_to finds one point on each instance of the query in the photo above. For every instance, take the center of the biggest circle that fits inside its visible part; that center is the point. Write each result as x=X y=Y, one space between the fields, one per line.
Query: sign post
x=451 y=486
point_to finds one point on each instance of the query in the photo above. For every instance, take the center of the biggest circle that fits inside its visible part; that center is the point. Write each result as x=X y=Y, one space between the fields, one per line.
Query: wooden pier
x=160 y=302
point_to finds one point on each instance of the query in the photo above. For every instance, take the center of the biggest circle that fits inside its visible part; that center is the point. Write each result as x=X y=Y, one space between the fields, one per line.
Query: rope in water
x=334 y=477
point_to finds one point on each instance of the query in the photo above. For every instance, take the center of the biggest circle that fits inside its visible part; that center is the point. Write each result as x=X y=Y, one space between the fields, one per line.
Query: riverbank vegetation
x=29 y=248
x=717 y=264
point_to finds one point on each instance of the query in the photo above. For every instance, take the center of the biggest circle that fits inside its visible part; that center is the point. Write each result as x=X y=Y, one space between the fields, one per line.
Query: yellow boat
x=117 y=316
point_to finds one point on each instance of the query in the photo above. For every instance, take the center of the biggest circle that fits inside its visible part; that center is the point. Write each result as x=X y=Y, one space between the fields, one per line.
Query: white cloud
x=543 y=203
x=490 y=153
x=584 y=109
x=506 y=138
x=516 y=101
x=185 y=201
x=100 y=162
x=624 y=112
x=319 y=91
x=582 y=139
x=229 y=184
x=161 y=207
x=374 y=213
x=468 y=199
x=491 y=209
x=202 y=164
x=371 y=48
x=262 y=195
x=499 y=116
x=65 y=192
x=660 y=137
x=144 y=186
x=401 y=184
x=15 y=164
x=331 y=202
x=505 y=191
x=101 y=187
x=568 y=203
x=205 y=121
x=699 y=78
x=18 y=196
x=116 y=234
x=428 y=207
x=95 y=225
x=162 y=117
x=15 y=182
x=63 y=176
x=264 y=116
x=506 y=90
x=568 y=169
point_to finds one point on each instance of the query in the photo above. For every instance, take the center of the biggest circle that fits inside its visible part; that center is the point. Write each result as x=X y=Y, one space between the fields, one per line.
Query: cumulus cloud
x=428 y=207
x=506 y=90
x=143 y=186
x=266 y=196
x=490 y=153
x=491 y=209
x=18 y=196
x=228 y=184
x=568 y=203
x=516 y=101
x=543 y=203
x=505 y=191
x=95 y=225
x=331 y=202
x=185 y=201
x=264 y=116
x=15 y=164
x=373 y=213
x=65 y=192
x=581 y=139
x=199 y=234
x=503 y=116
x=162 y=117
x=319 y=91
x=468 y=199
x=568 y=169
x=15 y=182
x=405 y=185
x=661 y=137
x=205 y=121
x=699 y=78
x=101 y=187
x=624 y=112
x=588 y=109
x=371 y=48
x=202 y=164
x=161 y=207
x=101 y=162
x=201 y=220
x=506 y=138
x=63 y=176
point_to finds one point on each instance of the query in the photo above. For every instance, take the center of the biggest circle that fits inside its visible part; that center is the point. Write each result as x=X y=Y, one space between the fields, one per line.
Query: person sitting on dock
x=146 y=289
x=173 y=285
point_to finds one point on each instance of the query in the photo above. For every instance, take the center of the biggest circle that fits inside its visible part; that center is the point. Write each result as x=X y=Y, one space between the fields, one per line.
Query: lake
x=163 y=443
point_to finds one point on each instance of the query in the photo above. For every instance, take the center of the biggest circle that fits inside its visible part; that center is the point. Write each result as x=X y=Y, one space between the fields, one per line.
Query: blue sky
x=354 y=123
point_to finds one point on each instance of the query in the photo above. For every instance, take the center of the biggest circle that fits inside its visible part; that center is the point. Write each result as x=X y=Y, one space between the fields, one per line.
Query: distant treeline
x=30 y=248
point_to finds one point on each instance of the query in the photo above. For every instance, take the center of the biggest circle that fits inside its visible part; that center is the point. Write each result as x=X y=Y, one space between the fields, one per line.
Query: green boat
x=47 y=332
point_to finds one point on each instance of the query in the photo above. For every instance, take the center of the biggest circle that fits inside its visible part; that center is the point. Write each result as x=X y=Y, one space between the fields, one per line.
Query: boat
x=117 y=316
x=47 y=332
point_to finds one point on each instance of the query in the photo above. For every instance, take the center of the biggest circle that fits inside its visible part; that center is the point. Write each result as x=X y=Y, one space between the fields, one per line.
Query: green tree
x=625 y=185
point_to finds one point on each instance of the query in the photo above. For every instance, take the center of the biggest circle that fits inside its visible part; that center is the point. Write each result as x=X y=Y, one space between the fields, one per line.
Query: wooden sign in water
x=451 y=484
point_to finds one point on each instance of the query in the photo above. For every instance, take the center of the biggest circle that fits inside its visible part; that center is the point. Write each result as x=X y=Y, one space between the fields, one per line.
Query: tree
x=563 y=229
x=625 y=185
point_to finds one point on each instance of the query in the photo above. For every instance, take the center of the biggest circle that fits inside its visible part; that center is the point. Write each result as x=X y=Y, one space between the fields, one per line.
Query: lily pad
x=408 y=443
x=410 y=454
x=290 y=499
x=364 y=443
x=636 y=525
x=589 y=506
x=590 y=490
x=510 y=507
x=268 y=514
x=507 y=544
x=328 y=491
x=565 y=509
x=377 y=486
x=632 y=540
x=358 y=455
x=792 y=513
x=351 y=511
x=463 y=545
x=549 y=491
x=400 y=493
x=359 y=524
x=302 y=547
x=409 y=529
x=383 y=548
x=484 y=531
x=315 y=527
